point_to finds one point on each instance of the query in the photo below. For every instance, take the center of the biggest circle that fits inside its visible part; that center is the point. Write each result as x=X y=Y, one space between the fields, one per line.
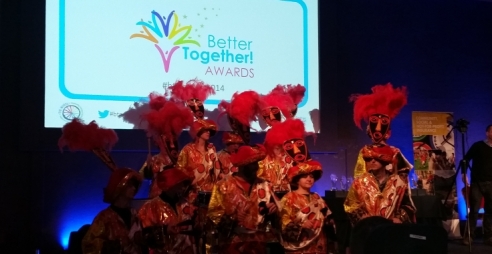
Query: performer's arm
x=406 y=212
x=216 y=208
x=470 y=154
x=261 y=173
x=183 y=162
x=353 y=206
x=360 y=165
x=96 y=240
x=402 y=164
x=291 y=228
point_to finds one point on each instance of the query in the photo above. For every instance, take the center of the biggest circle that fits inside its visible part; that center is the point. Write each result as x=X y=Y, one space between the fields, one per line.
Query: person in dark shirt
x=480 y=154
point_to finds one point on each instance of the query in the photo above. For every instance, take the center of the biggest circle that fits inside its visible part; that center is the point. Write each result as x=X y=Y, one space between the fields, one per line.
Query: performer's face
x=178 y=190
x=249 y=171
x=373 y=164
x=278 y=150
x=297 y=150
x=271 y=115
x=130 y=189
x=196 y=106
x=205 y=135
x=171 y=148
x=379 y=127
x=306 y=182
x=232 y=147
x=241 y=129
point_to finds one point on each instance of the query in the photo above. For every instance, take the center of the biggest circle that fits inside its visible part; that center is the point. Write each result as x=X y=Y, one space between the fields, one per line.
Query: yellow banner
x=429 y=123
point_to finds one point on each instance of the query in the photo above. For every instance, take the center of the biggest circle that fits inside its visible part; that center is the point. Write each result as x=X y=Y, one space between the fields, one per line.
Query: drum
x=204 y=198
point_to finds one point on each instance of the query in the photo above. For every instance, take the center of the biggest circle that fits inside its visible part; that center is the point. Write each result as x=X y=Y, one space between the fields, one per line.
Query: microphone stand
x=463 y=165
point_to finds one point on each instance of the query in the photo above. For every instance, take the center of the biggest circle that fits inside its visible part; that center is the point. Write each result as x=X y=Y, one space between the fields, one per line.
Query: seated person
x=380 y=191
x=116 y=229
x=168 y=219
x=242 y=204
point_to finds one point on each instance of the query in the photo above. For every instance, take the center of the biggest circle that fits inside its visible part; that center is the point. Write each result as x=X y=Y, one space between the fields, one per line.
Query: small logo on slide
x=103 y=114
x=69 y=111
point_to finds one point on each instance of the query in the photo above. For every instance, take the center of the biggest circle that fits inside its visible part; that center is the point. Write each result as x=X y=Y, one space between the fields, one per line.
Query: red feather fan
x=79 y=136
x=170 y=120
x=156 y=101
x=384 y=99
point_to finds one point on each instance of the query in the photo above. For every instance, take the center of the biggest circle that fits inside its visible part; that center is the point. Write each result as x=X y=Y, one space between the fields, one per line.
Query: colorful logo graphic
x=69 y=111
x=161 y=28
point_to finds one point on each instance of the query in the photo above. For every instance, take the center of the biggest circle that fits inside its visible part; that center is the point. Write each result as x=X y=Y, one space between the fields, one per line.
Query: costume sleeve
x=184 y=161
x=402 y=164
x=352 y=205
x=287 y=215
x=360 y=165
x=217 y=164
x=291 y=227
x=261 y=173
x=96 y=236
x=406 y=211
x=216 y=208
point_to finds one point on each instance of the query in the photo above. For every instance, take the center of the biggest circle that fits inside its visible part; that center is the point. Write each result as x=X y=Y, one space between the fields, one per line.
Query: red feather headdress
x=281 y=132
x=296 y=92
x=276 y=99
x=193 y=89
x=243 y=107
x=384 y=99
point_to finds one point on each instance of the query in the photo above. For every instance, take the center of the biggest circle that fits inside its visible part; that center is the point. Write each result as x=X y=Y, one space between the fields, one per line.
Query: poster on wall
x=434 y=155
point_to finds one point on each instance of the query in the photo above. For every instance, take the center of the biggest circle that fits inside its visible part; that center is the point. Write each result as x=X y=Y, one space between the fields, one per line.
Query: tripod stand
x=461 y=126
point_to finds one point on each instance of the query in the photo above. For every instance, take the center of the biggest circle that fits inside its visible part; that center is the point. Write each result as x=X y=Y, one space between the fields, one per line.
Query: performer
x=303 y=212
x=115 y=229
x=378 y=109
x=241 y=111
x=380 y=191
x=281 y=100
x=232 y=142
x=166 y=120
x=198 y=159
x=168 y=219
x=480 y=154
x=242 y=204
x=285 y=145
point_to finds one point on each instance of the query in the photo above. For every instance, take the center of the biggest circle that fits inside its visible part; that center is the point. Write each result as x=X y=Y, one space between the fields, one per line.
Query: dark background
x=440 y=50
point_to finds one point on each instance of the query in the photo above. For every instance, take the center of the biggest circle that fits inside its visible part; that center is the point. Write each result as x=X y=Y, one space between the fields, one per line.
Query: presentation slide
x=103 y=56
